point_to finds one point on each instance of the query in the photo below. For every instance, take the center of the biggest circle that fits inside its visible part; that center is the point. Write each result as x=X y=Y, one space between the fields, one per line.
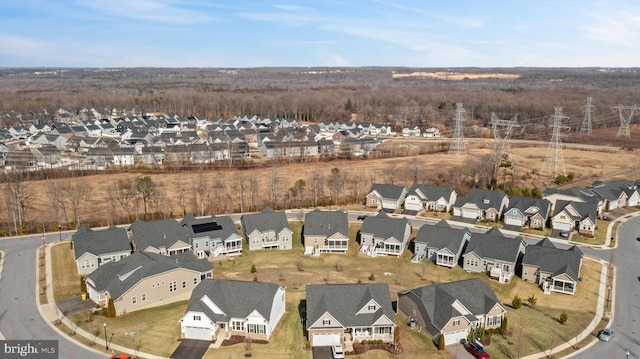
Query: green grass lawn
x=530 y=328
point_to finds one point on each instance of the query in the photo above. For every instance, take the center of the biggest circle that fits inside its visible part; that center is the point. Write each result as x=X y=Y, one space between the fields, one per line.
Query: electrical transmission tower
x=502 y=130
x=586 y=121
x=457 y=140
x=554 y=157
x=624 y=121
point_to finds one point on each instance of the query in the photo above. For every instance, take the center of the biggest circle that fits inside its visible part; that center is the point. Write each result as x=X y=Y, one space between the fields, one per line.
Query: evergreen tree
x=111 y=309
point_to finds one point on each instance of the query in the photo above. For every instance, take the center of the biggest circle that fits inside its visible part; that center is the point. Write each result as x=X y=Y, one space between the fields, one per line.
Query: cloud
x=161 y=11
x=618 y=27
x=19 y=47
x=458 y=20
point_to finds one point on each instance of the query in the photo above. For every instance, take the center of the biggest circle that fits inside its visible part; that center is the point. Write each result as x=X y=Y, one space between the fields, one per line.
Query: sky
x=337 y=33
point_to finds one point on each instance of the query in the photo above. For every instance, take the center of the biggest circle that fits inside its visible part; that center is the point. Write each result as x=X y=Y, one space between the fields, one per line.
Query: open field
x=531 y=329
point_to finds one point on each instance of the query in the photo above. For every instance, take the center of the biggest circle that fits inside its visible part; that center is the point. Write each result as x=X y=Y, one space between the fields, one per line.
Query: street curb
x=1 y=265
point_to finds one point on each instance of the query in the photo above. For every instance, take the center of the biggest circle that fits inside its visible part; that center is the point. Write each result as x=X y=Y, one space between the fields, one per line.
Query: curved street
x=20 y=317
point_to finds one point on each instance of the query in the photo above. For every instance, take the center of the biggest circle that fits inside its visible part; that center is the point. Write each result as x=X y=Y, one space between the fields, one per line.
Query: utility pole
x=586 y=121
x=554 y=157
x=502 y=130
x=457 y=140
x=624 y=121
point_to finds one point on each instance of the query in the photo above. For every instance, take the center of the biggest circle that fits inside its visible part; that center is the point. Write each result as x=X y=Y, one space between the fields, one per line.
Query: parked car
x=121 y=356
x=362 y=217
x=638 y=239
x=564 y=234
x=476 y=350
x=337 y=351
x=606 y=334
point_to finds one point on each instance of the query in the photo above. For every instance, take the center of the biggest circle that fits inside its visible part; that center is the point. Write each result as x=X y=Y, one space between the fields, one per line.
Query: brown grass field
x=532 y=329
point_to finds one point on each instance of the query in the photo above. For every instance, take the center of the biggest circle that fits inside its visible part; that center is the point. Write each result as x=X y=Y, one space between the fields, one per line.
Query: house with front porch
x=231 y=307
x=452 y=310
x=325 y=232
x=266 y=230
x=382 y=235
x=430 y=198
x=527 y=212
x=553 y=269
x=616 y=194
x=493 y=253
x=575 y=216
x=163 y=236
x=94 y=248
x=145 y=280
x=574 y=194
x=212 y=236
x=441 y=244
x=348 y=313
x=385 y=196
x=481 y=204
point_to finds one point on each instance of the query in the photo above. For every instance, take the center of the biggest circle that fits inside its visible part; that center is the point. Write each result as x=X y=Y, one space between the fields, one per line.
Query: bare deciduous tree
x=19 y=200
x=124 y=193
x=77 y=195
x=200 y=188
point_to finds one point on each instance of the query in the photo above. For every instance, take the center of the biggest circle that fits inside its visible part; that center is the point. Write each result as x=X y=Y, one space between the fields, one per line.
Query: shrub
x=532 y=300
x=253 y=268
x=441 y=342
x=503 y=326
x=516 y=303
x=111 y=309
x=255 y=278
x=83 y=284
x=563 y=317
x=372 y=276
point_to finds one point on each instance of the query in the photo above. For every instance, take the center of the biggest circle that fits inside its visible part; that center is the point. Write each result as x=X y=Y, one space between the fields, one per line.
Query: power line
x=586 y=122
x=624 y=121
x=554 y=157
x=457 y=141
x=502 y=149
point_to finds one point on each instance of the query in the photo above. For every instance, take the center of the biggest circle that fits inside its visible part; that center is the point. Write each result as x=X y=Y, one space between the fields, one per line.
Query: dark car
x=362 y=217
x=476 y=350
x=638 y=239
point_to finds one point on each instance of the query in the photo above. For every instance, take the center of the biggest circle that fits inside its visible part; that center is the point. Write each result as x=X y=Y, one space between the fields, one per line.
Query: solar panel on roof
x=206 y=227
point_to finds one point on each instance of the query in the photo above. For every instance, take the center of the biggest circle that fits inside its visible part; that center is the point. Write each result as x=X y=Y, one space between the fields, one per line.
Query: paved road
x=19 y=316
x=626 y=258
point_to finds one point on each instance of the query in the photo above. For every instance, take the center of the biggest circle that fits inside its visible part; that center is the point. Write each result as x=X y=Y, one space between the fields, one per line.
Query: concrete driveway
x=458 y=351
x=75 y=304
x=191 y=349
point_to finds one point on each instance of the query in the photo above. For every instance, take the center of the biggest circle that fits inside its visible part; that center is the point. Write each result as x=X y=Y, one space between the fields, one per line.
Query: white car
x=337 y=351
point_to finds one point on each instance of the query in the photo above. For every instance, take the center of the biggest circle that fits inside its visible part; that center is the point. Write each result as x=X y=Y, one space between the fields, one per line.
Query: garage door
x=466 y=213
x=455 y=337
x=562 y=226
x=512 y=221
x=197 y=333
x=413 y=206
x=327 y=339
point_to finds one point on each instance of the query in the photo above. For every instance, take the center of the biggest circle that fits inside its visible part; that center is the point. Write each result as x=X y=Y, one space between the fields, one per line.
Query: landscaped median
x=533 y=328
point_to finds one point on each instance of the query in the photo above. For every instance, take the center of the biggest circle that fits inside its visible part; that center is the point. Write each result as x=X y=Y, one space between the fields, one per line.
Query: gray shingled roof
x=578 y=192
x=343 y=301
x=584 y=209
x=143 y=265
x=383 y=226
x=524 y=203
x=327 y=223
x=437 y=299
x=237 y=299
x=163 y=232
x=441 y=235
x=267 y=220
x=222 y=227
x=548 y=258
x=387 y=190
x=432 y=193
x=480 y=196
x=493 y=244
x=109 y=240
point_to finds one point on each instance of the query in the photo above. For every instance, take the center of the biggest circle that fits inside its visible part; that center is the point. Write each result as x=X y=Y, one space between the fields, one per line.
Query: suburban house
x=481 y=204
x=382 y=235
x=578 y=216
x=96 y=248
x=527 y=212
x=493 y=253
x=385 y=196
x=145 y=279
x=452 y=310
x=231 y=307
x=325 y=231
x=268 y=229
x=164 y=236
x=575 y=194
x=554 y=269
x=616 y=194
x=440 y=244
x=431 y=133
x=430 y=198
x=212 y=236
x=347 y=313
